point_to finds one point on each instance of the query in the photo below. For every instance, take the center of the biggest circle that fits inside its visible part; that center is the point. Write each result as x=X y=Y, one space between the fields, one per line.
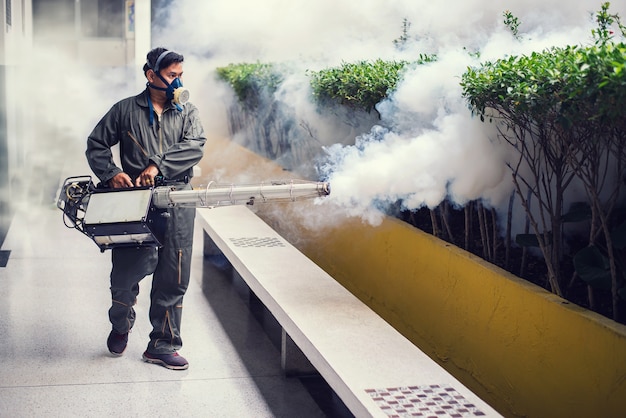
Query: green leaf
x=578 y=211
x=527 y=240
x=593 y=268
x=618 y=236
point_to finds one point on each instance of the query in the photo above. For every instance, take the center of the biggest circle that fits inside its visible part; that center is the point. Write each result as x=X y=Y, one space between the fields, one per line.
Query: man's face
x=175 y=70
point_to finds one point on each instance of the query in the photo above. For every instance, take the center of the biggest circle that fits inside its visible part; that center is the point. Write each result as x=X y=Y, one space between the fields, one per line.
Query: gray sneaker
x=117 y=343
x=172 y=361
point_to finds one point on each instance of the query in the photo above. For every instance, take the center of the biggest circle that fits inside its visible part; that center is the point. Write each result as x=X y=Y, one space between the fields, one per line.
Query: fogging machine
x=135 y=217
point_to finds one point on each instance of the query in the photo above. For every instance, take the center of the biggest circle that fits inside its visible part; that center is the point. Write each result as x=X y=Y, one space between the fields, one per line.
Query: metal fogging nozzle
x=324 y=189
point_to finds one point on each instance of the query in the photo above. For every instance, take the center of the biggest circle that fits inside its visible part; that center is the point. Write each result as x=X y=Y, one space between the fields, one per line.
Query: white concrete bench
x=373 y=368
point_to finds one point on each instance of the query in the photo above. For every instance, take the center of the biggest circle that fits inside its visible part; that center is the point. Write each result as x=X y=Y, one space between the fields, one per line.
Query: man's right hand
x=120 y=181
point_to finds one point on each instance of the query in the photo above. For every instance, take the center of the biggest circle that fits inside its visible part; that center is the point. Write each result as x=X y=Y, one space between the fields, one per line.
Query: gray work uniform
x=175 y=143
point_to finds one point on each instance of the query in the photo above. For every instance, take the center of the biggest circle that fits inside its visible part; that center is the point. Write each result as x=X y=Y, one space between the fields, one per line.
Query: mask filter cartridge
x=181 y=96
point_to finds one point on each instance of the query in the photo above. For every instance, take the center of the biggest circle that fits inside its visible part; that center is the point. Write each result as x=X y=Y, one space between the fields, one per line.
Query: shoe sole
x=114 y=354
x=164 y=364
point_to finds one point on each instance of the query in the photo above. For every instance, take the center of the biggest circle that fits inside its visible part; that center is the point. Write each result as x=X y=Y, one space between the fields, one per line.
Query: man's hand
x=146 y=178
x=120 y=181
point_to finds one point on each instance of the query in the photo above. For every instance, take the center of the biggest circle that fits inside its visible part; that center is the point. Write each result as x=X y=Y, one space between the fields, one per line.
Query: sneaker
x=173 y=361
x=117 y=343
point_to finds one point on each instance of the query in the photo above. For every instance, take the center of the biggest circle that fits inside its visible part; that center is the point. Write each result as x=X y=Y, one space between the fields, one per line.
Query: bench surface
x=374 y=369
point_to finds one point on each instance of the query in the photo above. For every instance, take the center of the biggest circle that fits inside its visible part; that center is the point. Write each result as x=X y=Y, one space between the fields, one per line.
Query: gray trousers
x=170 y=268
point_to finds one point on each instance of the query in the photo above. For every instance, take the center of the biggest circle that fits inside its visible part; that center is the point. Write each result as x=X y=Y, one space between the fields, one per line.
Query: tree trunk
x=433 y=221
x=508 y=237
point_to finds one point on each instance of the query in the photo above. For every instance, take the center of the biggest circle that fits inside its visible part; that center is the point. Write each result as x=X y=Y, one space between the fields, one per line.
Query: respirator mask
x=174 y=91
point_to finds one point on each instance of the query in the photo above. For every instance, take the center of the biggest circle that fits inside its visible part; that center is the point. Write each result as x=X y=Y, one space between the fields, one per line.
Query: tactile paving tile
x=257 y=242
x=427 y=401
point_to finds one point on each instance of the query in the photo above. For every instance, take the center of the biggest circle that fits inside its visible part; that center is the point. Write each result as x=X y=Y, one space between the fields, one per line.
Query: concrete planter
x=524 y=350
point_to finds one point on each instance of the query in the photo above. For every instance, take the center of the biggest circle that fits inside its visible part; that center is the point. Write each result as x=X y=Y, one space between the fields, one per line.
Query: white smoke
x=427 y=147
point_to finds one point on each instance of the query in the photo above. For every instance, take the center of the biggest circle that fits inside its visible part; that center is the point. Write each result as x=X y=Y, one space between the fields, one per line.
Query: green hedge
x=359 y=85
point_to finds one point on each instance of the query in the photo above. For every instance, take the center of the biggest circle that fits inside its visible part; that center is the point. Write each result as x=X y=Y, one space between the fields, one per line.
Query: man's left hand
x=146 y=178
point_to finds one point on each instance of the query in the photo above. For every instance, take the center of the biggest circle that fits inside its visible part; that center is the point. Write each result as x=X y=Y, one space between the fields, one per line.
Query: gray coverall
x=175 y=144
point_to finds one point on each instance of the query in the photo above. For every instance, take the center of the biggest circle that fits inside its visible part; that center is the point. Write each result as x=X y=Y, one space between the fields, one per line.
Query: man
x=157 y=136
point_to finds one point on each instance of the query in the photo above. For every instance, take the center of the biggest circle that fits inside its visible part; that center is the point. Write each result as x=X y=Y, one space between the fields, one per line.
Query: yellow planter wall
x=522 y=349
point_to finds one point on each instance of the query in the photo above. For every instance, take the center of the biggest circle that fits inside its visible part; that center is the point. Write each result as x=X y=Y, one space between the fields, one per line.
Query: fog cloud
x=426 y=146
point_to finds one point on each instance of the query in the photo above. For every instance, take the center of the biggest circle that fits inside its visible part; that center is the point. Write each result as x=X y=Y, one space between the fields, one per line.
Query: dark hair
x=167 y=60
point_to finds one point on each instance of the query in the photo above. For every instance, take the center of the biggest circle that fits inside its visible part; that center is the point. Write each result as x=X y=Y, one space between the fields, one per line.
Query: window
x=102 y=18
x=8 y=12
x=98 y=18
x=53 y=18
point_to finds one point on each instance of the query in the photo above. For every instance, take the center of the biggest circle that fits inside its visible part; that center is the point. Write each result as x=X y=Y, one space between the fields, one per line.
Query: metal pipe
x=216 y=195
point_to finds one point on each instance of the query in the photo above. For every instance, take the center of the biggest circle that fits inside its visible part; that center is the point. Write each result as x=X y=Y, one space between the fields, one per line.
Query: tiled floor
x=54 y=298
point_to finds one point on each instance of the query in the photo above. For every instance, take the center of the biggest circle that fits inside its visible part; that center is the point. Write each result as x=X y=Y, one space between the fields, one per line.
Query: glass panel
x=98 y=18
x=111 y=18
x=54 y=18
